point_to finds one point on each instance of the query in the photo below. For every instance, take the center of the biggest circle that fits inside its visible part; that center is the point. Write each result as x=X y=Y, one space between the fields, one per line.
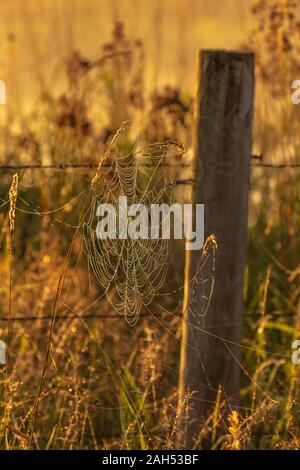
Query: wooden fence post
x=222 y=149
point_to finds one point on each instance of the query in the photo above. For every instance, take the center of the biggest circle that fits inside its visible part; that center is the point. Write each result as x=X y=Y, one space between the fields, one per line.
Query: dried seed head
x=12 y=203
x=234 y=429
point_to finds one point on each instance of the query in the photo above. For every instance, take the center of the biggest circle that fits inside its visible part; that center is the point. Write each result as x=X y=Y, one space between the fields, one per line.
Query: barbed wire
x=79 y=166
x=114 y=316
x=69 y=317
x=275 y=165
x=256 y=163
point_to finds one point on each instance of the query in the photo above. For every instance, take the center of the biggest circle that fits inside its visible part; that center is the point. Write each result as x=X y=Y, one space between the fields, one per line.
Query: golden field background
x=37 y=35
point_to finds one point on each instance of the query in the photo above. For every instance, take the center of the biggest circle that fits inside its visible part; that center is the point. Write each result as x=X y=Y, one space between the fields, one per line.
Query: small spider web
x=202 y=284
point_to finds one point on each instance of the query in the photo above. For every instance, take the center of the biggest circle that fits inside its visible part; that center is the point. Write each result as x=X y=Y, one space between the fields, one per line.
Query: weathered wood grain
x=223 y=136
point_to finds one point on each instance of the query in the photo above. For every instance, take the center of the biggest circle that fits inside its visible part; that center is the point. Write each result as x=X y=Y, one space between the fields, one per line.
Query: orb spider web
x=133 y=271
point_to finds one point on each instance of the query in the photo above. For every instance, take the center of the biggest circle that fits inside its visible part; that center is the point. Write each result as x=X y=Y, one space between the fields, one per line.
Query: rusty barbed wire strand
x=114 y=316
x=75 y=166
x=257 y=162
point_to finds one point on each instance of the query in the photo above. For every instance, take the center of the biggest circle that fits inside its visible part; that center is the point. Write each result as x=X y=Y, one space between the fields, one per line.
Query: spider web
x=130 y=270
x=202 y=284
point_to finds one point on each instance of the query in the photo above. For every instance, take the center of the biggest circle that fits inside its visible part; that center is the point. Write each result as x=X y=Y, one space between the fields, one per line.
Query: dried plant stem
x=60 y=284
x=13 y=192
